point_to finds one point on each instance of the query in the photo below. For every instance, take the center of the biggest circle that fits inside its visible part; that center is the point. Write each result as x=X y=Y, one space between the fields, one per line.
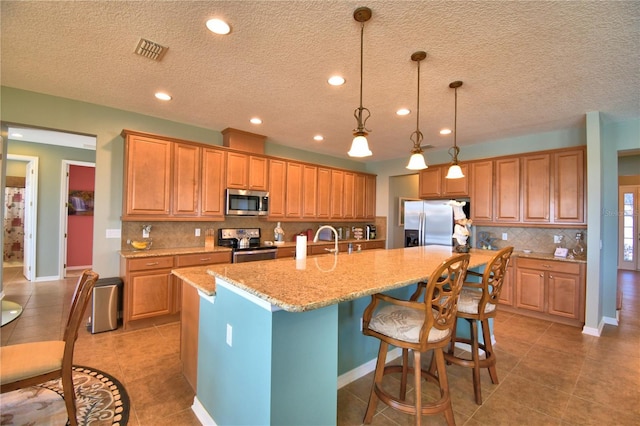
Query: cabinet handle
x=206 y=259
x=152 y=263
x=547 y=266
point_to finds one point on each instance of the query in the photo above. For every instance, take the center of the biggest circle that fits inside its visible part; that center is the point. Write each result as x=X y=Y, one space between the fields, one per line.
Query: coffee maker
x=370 y=232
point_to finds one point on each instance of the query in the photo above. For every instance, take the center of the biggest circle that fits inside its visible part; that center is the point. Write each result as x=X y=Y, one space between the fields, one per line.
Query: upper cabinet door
x=258 y=174
x=481 y=191
x=277 y=188
x=323 y=210
x=370 y=197
x=348 y=206
x=337 y=190
x=568 y=177
x=293 y=193
x=212 y=191
x=360 y=196
x=186 y=179
x=536 y=188
x=431 y=183
x=456 y=187
x=147 y=179
x=309 y=191
x=507 y=190
x=237 y=170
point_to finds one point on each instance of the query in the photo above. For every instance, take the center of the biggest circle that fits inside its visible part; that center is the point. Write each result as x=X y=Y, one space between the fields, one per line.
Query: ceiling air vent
x=151 y=50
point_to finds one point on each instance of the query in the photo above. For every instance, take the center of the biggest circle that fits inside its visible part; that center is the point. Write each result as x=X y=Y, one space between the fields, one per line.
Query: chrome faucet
x=335 y=234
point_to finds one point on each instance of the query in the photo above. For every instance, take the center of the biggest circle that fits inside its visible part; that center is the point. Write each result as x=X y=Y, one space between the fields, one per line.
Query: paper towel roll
x=301 y=247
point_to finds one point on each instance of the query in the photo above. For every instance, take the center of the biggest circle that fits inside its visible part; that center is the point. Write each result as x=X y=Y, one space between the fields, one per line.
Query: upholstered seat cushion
x=469 y=299
x=30 y=359
x=403 y=323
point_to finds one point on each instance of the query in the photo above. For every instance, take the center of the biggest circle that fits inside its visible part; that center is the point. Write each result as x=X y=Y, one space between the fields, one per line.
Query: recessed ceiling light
x=403 y=111
x=218 y=26
x=445 y=131
x=318 y=138
x=336 y=80
x=163 y=96
x=256 y=120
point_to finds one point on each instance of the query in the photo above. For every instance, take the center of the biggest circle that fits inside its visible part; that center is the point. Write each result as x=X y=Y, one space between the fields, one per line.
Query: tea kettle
x=243 y=242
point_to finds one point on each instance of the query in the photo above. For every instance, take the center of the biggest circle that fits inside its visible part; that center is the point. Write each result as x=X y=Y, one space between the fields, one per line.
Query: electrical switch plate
x=504 y=236
x=557 y=239
x=361 y=324
x=229 y=335
x=145 y=233
x=197 y=232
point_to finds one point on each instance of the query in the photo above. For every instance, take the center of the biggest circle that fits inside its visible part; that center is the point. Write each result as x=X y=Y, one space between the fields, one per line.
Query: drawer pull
x=152 y=263
x=206 y=259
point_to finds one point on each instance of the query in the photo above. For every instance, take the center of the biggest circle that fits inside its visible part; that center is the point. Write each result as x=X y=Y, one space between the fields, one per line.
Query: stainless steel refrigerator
x=428 y=222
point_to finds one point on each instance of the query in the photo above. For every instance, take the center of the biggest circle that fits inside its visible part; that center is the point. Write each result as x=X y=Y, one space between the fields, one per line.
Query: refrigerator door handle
x=421 y=229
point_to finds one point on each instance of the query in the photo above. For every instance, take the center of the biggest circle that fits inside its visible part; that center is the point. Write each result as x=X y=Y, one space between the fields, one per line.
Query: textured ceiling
x=526 y=66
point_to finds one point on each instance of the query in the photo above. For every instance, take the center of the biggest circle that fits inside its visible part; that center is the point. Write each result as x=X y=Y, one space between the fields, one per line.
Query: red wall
x=80 y=227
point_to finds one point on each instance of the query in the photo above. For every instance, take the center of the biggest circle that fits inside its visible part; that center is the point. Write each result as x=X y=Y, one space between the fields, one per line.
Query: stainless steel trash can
x=105 y=305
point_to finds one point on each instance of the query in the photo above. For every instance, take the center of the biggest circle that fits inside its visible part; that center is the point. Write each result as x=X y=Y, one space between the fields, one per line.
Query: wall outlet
x=229 y=335
x=197 y=232
x=504 y=236
x=557 y=239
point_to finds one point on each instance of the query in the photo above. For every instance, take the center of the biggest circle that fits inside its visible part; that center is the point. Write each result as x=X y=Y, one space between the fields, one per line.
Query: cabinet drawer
x=148 y=263
x=208 y=258
x=549 y=265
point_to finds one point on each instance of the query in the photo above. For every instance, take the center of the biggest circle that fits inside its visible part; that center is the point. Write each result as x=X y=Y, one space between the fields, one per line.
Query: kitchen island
x=273 y=333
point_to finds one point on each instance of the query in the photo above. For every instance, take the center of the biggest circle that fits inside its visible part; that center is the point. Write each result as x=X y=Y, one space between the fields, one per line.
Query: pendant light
x=416 y=161
x=455 y=172
x=360 y=146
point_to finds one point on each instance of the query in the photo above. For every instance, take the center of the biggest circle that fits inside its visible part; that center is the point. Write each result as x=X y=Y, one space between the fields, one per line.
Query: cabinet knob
x=542 y=275
x=550 y=276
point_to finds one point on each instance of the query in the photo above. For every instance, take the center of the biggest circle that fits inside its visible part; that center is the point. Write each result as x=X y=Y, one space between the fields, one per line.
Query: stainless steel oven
x=245 y=244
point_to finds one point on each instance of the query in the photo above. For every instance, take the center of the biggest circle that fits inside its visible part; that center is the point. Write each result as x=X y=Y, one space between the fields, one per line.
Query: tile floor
x=549 y=373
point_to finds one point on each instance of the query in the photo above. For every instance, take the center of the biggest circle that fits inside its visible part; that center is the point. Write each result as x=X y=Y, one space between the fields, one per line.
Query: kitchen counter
x=133 y=254
x=324 y=242
x=323 y=280
x=546 y=256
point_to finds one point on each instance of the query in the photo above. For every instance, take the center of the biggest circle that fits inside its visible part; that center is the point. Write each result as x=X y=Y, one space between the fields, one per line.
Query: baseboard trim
x=591 y=331
x=364 y=369
x=201 y=413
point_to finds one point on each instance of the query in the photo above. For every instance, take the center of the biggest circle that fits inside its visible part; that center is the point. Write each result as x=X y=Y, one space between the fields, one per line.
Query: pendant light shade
x=360 y=145
x=455 y=172
x=416 y=161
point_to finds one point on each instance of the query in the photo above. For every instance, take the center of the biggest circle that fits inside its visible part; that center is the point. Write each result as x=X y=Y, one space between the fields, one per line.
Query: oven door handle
x=250 y=252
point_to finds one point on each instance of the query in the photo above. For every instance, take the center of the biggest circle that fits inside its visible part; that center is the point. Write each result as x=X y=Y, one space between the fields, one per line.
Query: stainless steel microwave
x=242 y=202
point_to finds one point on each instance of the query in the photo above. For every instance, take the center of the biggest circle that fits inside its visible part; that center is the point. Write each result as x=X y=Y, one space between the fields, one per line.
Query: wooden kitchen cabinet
x=569 y=189
x=323 y=210
x=277 y=188
x=147 y=177
x=507 y=190
x=337 y=194
x=370 y=196
x=212 y=190
x=481 y=191
x=433 y=184
x=553 y=288
x=508 y=287
x=536 y=188
x=348 y=201
x=186 y=180
x=293 y=190
x=309 y=191
x=148 y=288
x=246 y=171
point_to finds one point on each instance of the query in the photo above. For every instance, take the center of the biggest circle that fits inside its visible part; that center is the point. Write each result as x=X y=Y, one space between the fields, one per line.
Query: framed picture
x=401 y=201
x=80 y=203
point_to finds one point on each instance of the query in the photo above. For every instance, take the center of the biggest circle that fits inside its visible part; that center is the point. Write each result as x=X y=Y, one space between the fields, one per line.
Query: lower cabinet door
x=564 y=295
x=530 y=289
x=150 y=294
x=506 y=295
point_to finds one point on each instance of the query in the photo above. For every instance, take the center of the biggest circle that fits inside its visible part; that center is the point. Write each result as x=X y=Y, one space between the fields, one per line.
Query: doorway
x=628 y=227
x=22 y=215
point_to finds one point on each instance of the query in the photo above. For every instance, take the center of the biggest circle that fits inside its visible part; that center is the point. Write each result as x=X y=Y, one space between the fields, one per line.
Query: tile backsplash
x=182 y=234
x=539 y=240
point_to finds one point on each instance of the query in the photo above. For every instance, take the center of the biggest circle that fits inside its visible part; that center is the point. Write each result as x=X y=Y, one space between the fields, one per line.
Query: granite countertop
x=546 y=256
x=324 y=242
x=323 y=280
x=133 y=254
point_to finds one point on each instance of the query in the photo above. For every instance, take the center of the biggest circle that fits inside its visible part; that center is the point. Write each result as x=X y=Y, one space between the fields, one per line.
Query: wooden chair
x=420 y=326
x=478 y=302
x=29 y=364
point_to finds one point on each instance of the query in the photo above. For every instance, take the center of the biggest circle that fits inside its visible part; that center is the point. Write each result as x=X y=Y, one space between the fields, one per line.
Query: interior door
x=30 y=198
x=629 y=232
